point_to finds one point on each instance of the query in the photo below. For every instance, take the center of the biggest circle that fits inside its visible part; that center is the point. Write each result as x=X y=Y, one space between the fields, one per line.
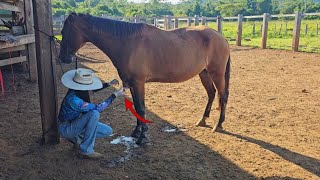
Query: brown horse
x=143 y=53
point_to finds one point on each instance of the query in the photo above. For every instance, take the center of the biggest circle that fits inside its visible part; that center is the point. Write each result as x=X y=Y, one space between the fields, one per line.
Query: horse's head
x=72 y=38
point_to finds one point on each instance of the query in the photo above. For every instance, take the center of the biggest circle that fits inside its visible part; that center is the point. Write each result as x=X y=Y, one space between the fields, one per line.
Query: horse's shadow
x=313 y=165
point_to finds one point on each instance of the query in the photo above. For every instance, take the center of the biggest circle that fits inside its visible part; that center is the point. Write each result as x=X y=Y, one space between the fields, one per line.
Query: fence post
x=306 y=31
x=254 y=29
x=136 y=19
x=155 y=20
x=189 y=22
x=286 y=30
x=32 y=59
x=296 y=31
x=280 y=29
x=167 y=22
x=176 y=23
x=265 y=30
x=204 y=21
x=239 y=29
x=317 y=29
x=196 y=20
x=219 y=24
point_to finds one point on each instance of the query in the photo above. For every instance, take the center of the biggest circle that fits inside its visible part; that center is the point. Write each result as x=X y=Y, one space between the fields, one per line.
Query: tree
x=196 y=7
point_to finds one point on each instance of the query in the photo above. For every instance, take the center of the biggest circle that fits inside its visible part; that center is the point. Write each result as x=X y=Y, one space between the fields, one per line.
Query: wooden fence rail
x=170 y=22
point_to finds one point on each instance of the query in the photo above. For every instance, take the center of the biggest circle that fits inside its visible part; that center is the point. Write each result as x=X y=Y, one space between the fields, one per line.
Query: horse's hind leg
x=211 y=91
x=221 y=81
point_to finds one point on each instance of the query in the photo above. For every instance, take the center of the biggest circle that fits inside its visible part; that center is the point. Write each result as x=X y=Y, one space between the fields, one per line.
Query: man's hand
x=120 y=92
x=114 y=82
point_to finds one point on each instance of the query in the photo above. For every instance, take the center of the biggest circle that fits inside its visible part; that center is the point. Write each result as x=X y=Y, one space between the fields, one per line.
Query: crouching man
x=78 y=120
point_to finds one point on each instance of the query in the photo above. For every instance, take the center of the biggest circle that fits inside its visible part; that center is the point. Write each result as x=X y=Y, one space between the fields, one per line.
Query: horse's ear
x=70 y=18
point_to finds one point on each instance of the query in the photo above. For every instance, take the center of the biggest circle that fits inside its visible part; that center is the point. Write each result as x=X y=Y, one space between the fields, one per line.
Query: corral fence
x=169 y=22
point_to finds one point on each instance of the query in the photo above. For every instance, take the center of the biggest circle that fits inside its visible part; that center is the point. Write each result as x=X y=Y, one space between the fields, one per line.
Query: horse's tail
x=227 y=76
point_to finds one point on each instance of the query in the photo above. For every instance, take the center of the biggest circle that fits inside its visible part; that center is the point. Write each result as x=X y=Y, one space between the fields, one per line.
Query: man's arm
x=108 y=84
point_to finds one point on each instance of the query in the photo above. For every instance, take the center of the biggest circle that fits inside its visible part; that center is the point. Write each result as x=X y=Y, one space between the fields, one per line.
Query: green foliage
x=184 y=8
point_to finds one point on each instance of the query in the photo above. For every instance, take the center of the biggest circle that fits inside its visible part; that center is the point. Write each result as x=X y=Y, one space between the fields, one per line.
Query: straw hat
x=81 y=79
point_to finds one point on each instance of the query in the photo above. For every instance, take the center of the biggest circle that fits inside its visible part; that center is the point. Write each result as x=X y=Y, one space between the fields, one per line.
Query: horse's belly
x=174 y=76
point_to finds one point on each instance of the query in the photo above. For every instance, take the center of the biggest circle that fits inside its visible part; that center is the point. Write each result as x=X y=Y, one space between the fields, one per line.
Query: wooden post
x=204 y=21
x=239 y=29
x=306 y=30
x=136 y=19
x=18 y=15
x=32 y=60
x=46 y=71
x=296 y=31
x=176 y=23
x=155 y=20
x=219 y=24
x=286 y=30
x=167 y=22
x=265 y=30
x=254 y=29
x=280 y=29
x=196 y=20
x=189 y=22
x=261 y=26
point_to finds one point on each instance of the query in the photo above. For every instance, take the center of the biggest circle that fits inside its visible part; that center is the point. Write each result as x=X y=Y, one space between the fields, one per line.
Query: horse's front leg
x=138 y=94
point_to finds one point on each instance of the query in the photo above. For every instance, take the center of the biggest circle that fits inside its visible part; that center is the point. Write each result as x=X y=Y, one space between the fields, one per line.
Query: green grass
x=276 y=39
x=59 y=37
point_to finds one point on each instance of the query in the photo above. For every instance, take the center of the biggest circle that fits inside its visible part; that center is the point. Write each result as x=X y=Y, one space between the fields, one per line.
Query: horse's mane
x=119 y=29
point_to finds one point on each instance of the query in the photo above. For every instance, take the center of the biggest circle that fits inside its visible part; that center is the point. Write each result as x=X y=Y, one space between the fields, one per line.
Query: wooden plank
x=16 y=48
x=9 y=7
x=296 y=32
x=21 y=40
x=219 y=24
x=5 y=62
x=231 y=18
x=196 y=20
x=312 y=14
x=239 y=37
x=211 y=18
x=32 y=60
x=265 y=30
x=252 y=17
x=46 y=71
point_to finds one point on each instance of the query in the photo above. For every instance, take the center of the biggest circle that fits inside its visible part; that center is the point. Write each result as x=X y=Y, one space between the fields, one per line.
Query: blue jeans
x=88 y=128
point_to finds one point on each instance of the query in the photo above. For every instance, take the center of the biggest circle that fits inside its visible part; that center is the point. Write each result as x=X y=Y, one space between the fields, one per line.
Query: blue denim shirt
x=73 y=106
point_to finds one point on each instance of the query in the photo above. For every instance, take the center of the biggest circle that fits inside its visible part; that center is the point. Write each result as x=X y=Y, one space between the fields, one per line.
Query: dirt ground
x=272 y=126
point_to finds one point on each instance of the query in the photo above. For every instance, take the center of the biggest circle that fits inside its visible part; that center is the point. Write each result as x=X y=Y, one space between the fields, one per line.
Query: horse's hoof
x=142 y=141
x=202 y=122
x=217 y=129
x=135 y=134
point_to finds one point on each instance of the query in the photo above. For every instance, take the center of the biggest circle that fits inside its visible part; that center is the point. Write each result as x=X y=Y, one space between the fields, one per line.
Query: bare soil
x=272 y=125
